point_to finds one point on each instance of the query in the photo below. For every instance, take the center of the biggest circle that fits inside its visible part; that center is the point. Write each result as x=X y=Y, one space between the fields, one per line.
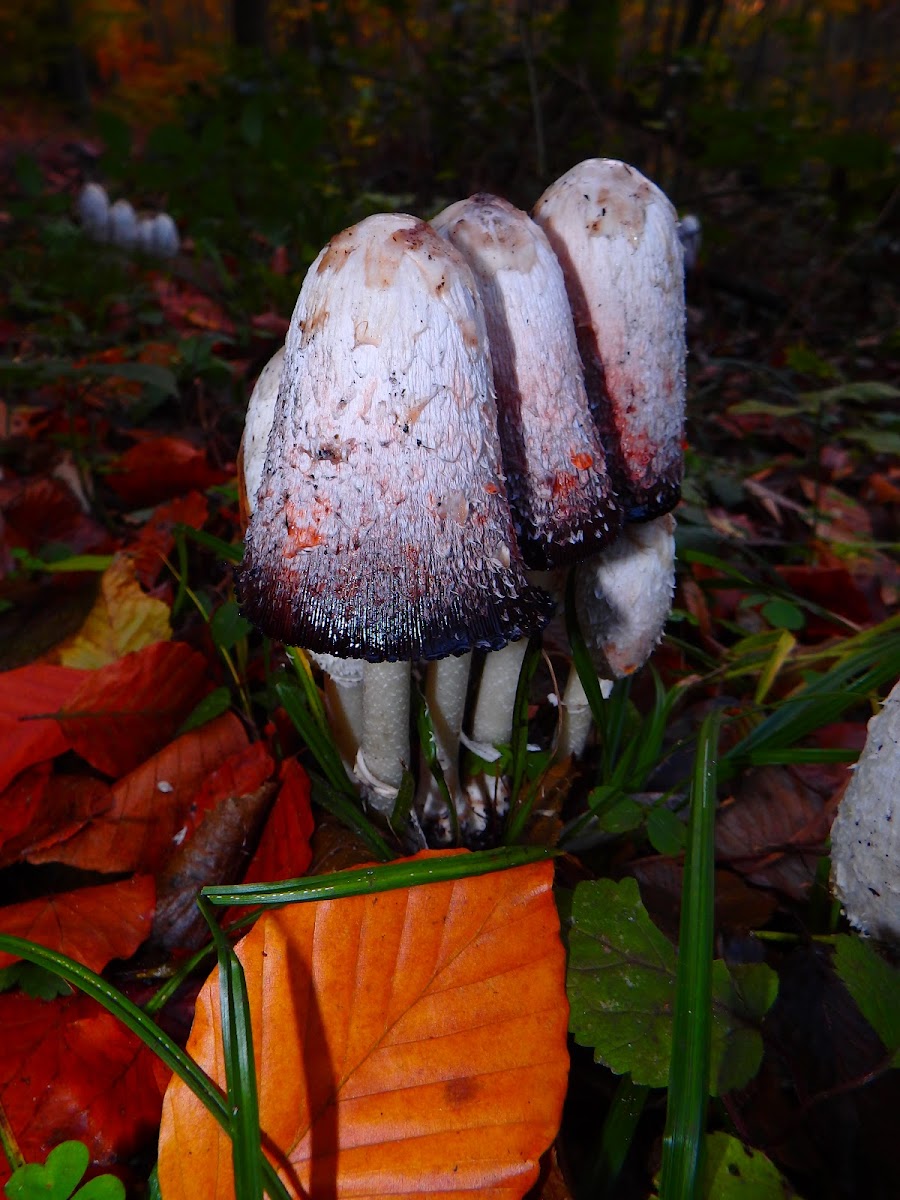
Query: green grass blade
x=366 y=880
x=144 y=1028
x=582 y=659
x=350 y=814
x=319 y=742
x=692 y=1020
x=240 y=1068
x=615 y=1140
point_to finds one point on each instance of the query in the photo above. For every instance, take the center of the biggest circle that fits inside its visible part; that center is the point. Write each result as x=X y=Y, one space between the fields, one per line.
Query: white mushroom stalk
x=616 y=235
x=622 y=600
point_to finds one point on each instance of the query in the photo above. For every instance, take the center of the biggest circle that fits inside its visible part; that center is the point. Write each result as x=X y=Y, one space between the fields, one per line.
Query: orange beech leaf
x=40 y=809
x=284 y=851
x=70 y=1070
x=155 y=541
x=93 y=925
x=150 y=808
x=159 y=468
x=407 y=1043
x=122 y=713
x=28 y=698
x=124 y=618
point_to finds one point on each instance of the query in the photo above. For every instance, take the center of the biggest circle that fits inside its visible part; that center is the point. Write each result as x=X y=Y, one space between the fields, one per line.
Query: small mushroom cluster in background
x=118 y=224
x=465 y=410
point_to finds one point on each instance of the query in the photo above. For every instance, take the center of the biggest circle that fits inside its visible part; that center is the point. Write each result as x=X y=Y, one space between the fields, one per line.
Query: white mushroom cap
x=623 y=597
x=560 y=492
x=257 y=426
x=616 y=235
x=165 y=239
x=865 y=836
x=382 y=529
x=93 y=211
x=123 y=225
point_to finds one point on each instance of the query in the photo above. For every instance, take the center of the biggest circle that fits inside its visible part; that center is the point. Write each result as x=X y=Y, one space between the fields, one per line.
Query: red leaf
x=151 y=807
x=188 y=309
x=159 y=468
x=25 y=694
x=43 y=809
x=92 y=925
x=284 y=851
x=156 y=539
x=125 y=711
x=241 y=773
x=835 y=589
x=70 y=1070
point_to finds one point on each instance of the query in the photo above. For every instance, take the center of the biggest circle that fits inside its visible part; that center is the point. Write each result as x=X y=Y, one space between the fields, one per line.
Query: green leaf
x=101 y=1187
x=735 y=1172
x=875 y=986
x=666 y=832
x=34 y=981
x=782 y=614
x=621 y=988
x=210 y=707
x=55 y=1179
x=227 y=625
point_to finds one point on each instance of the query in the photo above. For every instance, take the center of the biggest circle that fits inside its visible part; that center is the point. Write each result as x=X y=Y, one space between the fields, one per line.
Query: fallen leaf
x=773 y=830
x=188 y=309
x=123 y=619
x=150 y=808
x=120 y=714
x=28 y=732
x=284 y=851
x=407 y=1043
x=64 y=805
x=216 y=853
x=738 y=906
x=242 y=772
x=159 y=468
x=93 y=925
x=70 y=1070
x=155 y=542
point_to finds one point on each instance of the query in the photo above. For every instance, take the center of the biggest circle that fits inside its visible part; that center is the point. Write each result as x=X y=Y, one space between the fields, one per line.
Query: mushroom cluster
x=464 y=410
x=154 y=234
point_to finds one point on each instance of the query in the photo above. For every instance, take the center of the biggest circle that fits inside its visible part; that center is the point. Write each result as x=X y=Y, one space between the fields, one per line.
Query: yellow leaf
x=124 y=618
x=408 y=1044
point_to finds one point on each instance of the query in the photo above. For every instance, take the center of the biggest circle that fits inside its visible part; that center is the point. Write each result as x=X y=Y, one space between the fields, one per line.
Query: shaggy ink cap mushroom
x=381 y=528
x=616 y=235
x=560 y=492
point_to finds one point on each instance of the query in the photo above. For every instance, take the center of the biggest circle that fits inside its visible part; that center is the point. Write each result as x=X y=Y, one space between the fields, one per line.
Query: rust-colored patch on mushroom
x=337 y=251
x=302 y=529
x=621 y=213
x=582 y=461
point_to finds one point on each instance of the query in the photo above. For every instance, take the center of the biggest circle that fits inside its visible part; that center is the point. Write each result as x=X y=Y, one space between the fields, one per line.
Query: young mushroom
x=616 y=235
x=381 y=529
x=560 y=492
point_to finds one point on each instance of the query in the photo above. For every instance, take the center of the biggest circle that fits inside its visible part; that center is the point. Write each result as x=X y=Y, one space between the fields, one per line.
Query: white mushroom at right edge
x=865 y=836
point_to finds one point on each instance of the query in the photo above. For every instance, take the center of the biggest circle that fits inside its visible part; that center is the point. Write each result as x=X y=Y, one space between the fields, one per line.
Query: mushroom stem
x=384 y=753
x=493 y=716
x=343 y=682
x=575 y=718
x=446 y=686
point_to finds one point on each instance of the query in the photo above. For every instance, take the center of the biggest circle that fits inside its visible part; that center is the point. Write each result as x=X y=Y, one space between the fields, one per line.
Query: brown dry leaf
x=774 y=829
x=124 y=618
x=407 y=1043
